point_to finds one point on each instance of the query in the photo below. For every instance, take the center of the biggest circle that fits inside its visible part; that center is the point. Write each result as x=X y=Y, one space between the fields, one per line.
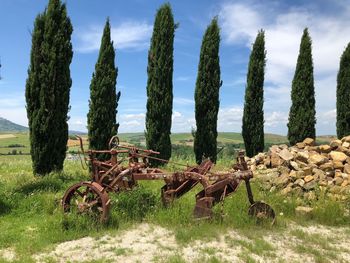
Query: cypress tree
x=207 y=95
x=302 y=113
x=160 y=84
x=48 y=86
x=253 y=115
x=343 y=95
x=103 y=102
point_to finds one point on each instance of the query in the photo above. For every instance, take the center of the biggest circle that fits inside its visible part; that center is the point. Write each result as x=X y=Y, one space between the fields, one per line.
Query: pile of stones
x=305 y=169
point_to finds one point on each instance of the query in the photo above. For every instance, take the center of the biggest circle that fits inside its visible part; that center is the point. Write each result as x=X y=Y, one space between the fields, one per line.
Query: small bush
x=80 y=222
x=4 y=207
x=73 y=137
x=135 y=204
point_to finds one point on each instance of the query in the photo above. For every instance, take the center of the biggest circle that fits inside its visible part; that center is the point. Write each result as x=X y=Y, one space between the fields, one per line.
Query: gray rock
x=286 y=190
x=286 y=155
x=310 y=185
x=338 y=156
x=335 y=143
x=302 y=156
x=300 y=182
x=309 y=142
x=338 y=180
x=295 y=166
x=282 y=180
x=317 y=159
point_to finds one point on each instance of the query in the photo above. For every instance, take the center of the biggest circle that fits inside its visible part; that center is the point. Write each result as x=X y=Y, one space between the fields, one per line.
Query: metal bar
x=217 y=186
x=161 y=160
x=153 y=176
x=249 y=192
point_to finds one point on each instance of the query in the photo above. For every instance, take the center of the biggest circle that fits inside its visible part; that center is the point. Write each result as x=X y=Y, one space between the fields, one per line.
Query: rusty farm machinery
x=128 y=165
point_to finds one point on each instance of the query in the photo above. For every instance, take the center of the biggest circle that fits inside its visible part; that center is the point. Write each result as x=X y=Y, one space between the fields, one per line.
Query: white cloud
x=127 y=35
x=240 y=23
x=131 y=124
x=176 y=115
x=230 y=119
x=138 y=116
x=12 y=108
x=181 y=122
x=275 y=118
x=12 y=102
x=17 y=115
x=183 y=101
x=328 y=117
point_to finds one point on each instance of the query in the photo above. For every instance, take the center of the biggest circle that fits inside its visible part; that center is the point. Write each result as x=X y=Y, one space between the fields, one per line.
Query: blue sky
x=132 y=21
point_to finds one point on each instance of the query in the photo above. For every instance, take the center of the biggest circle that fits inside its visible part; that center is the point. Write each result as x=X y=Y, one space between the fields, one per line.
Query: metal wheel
x=87 y=198
x=262 y=212
x=113 y=142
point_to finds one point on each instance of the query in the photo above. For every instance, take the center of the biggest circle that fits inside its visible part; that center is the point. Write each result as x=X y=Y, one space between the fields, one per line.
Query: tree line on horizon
x=48 y=87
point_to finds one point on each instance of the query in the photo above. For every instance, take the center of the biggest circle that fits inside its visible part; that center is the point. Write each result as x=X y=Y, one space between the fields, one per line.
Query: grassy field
x=31 y=219
x=19 y=142
x=186 y=138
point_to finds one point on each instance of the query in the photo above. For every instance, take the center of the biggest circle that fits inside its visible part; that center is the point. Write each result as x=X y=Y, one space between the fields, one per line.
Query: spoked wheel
x=87 y=198
x=262 y=212
x=113 y=142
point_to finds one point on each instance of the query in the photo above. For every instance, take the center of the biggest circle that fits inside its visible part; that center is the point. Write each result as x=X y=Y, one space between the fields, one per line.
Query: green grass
x=19 y=139
x=31 y=218
x=315 y=245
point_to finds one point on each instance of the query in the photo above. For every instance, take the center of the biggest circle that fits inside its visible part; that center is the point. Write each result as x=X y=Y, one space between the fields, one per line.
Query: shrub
x=136 y=204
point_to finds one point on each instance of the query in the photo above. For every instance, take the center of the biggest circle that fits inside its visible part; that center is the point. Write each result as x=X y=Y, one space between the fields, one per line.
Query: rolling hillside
x=9 y=126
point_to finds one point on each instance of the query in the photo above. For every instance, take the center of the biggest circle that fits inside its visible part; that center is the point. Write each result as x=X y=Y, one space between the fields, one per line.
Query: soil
x=151 y=243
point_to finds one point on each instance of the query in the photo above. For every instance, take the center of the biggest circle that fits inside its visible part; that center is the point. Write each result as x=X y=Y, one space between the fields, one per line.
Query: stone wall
x=305 y=169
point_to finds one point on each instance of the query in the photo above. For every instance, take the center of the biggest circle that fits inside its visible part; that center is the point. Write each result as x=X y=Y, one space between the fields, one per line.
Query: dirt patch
x=150 y=243
x=7 y=136
x=7 y=254
x=72 y=143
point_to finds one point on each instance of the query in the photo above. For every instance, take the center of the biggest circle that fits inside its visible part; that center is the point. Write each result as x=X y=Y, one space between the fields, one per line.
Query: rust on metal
x=128 y=165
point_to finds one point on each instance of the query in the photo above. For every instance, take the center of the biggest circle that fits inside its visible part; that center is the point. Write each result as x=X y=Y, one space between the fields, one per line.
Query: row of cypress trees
x=48 y=86
x=160 y=89
x=101 y=118
x=160 y=84
x=302 y=114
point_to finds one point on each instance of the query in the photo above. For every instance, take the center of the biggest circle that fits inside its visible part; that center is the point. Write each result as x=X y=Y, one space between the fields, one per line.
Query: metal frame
x=114 y=176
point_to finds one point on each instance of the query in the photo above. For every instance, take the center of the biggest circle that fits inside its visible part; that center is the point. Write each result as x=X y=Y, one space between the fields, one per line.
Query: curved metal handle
x=83 y=152
x=113 y=142
x=81 y=143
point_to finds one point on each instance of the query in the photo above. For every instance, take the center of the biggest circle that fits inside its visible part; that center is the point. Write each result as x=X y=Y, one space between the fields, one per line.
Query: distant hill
x=9 y=126
x=72 y=132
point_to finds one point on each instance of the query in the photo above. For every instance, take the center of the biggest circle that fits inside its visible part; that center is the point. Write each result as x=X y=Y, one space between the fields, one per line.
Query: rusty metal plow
x=128 y=165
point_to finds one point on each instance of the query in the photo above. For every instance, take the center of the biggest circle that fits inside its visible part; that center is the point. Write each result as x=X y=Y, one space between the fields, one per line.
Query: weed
x=175 y=259
x=122 y=251
x=135 y=204
x=246 y=257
